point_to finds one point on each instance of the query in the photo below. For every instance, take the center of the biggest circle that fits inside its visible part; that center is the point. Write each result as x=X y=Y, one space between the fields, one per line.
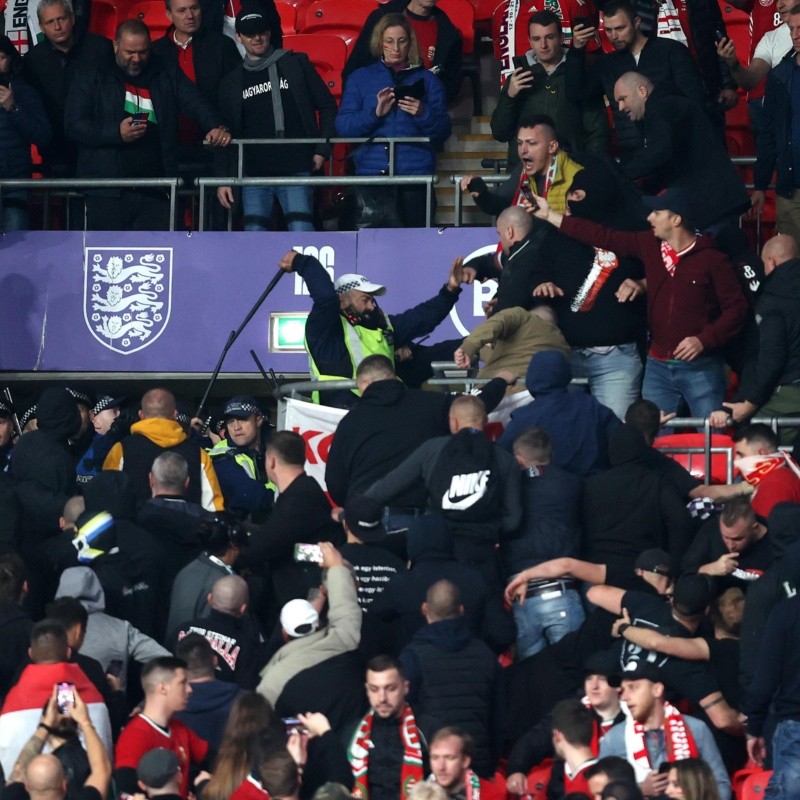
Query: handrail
x=348 y=180
x=98 y=183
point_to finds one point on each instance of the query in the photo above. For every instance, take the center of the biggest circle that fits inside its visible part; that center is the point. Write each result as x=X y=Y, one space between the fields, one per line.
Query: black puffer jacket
x=778 y=316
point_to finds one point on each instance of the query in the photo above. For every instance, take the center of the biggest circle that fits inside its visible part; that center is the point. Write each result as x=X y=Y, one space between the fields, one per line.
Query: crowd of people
x=491 y=589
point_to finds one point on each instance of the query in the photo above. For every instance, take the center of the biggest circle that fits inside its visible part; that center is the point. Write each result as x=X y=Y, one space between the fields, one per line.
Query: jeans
x=615 y=379
x=542 y=621
x=701 y=383
x=785 y=781
x=296 y=202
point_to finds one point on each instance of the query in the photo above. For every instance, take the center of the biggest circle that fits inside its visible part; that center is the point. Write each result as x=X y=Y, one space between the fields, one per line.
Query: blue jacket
x=775 y=146
x=578 y=425
x=357 y=117
x=20 y=129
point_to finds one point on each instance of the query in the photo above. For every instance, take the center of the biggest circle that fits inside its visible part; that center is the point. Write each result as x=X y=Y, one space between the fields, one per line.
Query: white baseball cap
x=345 y=283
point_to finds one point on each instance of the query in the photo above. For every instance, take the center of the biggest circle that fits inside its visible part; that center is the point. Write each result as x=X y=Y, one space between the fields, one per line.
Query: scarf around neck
x=677 y=736
x=361 y=744
x=269 y=63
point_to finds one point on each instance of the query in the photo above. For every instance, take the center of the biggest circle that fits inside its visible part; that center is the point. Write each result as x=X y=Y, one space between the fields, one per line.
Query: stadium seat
x=754 y=787
x=288 y=14
x=695 y=462
x=103 y=18
x=151 y=12
x=327 y=52
x=462 y=15
x=345 y=18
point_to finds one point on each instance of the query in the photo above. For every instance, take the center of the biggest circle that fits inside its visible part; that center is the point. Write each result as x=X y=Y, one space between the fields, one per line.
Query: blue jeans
x=785 y=781
x=701 y=383
x=615 y=379
x=296 y=202
x=542 y=621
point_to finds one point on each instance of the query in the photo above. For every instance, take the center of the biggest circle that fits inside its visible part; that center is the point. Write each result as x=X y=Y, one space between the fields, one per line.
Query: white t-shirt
x=774 y=45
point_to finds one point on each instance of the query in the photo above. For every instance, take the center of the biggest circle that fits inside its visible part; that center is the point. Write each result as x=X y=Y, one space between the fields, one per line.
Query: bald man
x=770 y=381
x=454 y=677
x=231 y=631
x=158 y=432
x=680 y=148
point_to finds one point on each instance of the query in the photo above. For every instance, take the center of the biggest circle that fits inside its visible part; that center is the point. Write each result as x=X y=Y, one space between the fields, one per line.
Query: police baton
x=233 y=337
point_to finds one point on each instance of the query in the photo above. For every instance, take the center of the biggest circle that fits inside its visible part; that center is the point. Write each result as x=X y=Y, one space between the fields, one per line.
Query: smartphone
x=65 y=697
x=414 y=90
x=308 y=552
x=587 y=22
x=719 y=35
x=5 y=80
x=525 y=192
x=139 y=118
x=665 y=767
x=115 y=668
x=477 y=184
x=293 y=725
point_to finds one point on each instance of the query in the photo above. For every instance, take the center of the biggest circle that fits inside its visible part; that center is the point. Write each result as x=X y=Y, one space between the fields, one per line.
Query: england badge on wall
x=127 y=293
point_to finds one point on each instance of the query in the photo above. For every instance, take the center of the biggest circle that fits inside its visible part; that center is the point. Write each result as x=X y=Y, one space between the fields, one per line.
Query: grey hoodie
x=107 y=638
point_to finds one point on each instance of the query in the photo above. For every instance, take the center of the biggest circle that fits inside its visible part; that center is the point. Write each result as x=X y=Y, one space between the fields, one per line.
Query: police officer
x=239 y=460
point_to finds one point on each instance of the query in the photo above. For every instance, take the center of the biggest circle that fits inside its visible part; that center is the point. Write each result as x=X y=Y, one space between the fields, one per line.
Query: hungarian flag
x=24 y=704
x=138 y=101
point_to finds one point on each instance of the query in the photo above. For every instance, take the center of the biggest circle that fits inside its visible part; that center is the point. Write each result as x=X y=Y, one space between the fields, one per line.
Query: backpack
x=464 y=484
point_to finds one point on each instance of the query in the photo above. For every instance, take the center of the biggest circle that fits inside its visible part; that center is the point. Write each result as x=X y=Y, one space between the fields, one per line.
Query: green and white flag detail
x=137 y=101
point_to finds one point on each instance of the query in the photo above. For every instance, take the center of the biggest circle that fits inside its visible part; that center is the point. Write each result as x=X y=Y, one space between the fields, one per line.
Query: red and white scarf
x=678 y=738
x=361 y=744
x=755 y=468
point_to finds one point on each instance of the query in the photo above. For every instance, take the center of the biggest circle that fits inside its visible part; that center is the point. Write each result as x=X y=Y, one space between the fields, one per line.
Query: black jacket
x=214 y=55
x=236 y=641
x=387 y=424
x=455 y=680
x=95 y=109
x=680 y=149
x=15 y=632
x=316 y=106
x=446 y=62
x=630 y=508
x=778 y=317
x=661 y=60
x=52 y=73
x=550 y=525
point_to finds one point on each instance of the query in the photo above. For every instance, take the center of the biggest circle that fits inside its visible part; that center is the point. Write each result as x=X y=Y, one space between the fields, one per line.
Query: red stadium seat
x=288 y=14
x=103 y=18
x=754 y=787
x=695 y=462
x=151 y=12
x=345 y=18
x=327 y=52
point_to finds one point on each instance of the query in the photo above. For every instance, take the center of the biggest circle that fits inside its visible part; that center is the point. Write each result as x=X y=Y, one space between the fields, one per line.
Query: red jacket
x=703 y=298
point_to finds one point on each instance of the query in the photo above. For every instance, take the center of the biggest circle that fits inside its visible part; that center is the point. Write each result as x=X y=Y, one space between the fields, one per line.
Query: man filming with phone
x=317 y=656
x=37 y=776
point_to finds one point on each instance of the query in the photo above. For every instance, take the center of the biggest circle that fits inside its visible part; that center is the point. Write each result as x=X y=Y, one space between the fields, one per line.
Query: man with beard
x=346 y=325
x=125 y=121
x=451 y=753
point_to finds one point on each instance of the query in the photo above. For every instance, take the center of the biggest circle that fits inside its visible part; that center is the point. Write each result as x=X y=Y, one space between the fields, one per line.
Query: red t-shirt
x=141 y=735
x=250 y=789
x=426 y=29
x=578 y=782
x=764 y=17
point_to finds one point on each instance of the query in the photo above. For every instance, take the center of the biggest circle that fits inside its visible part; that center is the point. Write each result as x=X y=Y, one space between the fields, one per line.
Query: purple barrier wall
x=166 y=302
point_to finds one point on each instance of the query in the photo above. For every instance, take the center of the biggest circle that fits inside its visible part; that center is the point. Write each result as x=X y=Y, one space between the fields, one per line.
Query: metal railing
x=351 y=180
x=70 y=184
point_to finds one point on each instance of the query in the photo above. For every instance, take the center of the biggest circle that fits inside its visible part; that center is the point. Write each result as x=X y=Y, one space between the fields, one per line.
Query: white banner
x=316 y=424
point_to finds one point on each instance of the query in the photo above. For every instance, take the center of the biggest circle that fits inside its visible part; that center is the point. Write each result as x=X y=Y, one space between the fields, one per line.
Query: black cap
x=654 y=560
x=602 y=663
x=673 y=199
x=251 y=23
x=5 y=409
x=106 y=401
x=640 y=670
x=364 y=518
x=157 y=768
x=692 y=595
x=81 y=397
